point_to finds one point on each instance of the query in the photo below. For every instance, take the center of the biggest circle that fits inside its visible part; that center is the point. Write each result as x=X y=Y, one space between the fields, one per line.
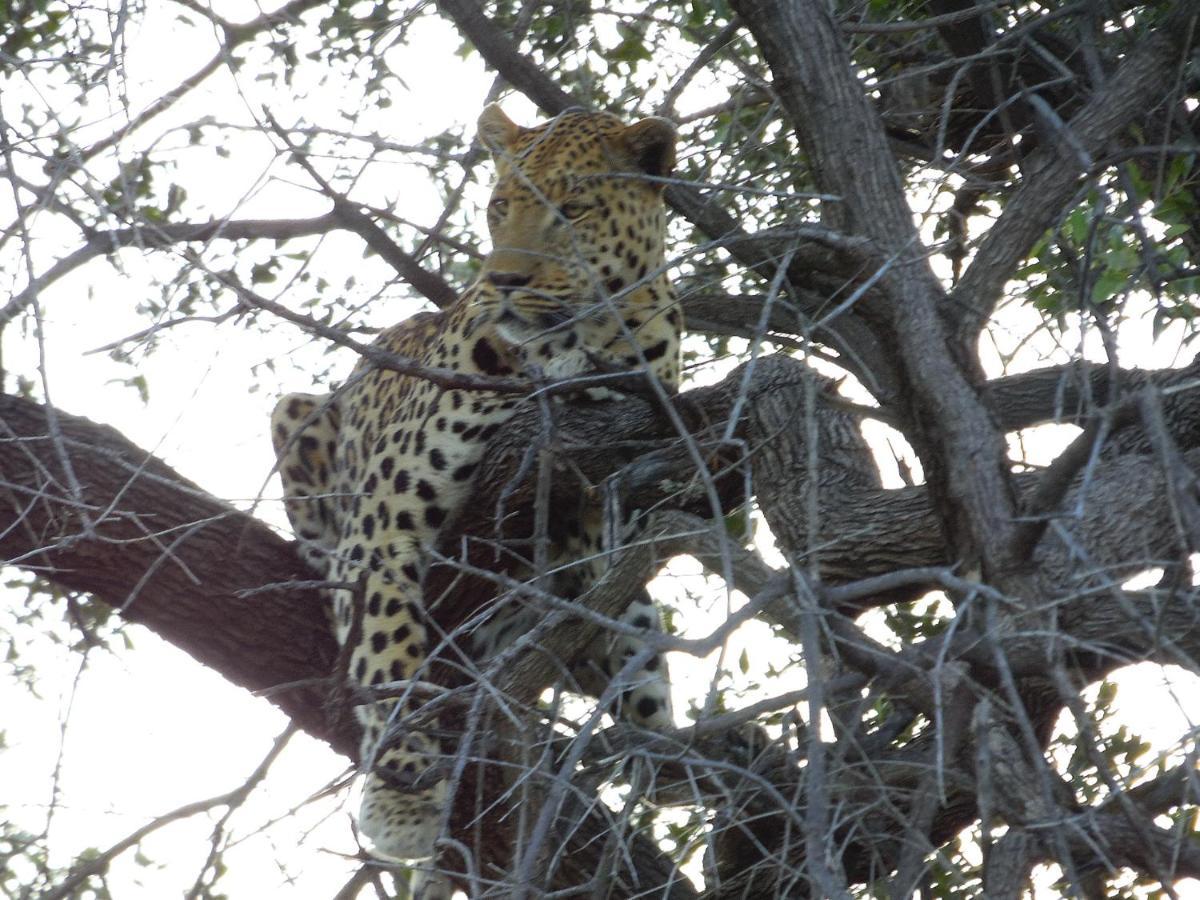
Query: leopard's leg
x=403 y=793
x=304 y=430
x=499 y=629
x=645 y=694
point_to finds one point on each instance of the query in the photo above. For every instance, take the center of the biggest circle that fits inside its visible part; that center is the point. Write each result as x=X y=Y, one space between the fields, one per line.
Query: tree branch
x=155 y=235
x=179 y=562
x=960 y=447
x=350 y=216
x=234 y=36
x=1139 y=84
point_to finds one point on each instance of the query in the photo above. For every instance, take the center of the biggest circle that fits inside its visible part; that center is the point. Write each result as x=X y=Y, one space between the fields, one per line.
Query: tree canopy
x=937 y=443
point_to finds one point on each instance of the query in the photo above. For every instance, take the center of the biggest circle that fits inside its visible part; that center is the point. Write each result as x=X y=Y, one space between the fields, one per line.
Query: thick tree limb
x=178 y=561
x=960 y=447
x=209 y=579
x=167 y=556
x=897 y=526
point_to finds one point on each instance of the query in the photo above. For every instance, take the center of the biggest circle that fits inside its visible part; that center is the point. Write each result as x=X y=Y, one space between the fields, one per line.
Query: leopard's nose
x=508 y=280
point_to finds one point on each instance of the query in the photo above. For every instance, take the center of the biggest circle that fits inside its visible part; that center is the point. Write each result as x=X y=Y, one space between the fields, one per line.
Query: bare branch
x=231 y=800
x=234 y=36
x=429 y=285
x=155 y=236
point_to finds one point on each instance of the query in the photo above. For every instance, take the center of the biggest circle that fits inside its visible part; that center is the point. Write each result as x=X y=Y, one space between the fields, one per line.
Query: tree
x=952 y=219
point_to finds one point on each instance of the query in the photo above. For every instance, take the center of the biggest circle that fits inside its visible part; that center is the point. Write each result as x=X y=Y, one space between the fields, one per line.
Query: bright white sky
x=149 y=729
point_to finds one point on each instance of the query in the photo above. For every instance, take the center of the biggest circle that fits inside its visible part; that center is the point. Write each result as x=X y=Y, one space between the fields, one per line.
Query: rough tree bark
x=213 y=580
x=927 y=739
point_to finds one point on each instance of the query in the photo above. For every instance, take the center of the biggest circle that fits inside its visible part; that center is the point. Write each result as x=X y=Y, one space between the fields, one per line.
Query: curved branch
x=199 y=573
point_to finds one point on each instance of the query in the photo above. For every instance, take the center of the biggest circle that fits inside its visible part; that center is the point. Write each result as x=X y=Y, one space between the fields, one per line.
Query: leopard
x=576 y=282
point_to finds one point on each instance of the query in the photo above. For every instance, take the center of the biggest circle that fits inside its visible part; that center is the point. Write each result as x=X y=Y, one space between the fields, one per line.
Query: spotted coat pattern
x=575 y=281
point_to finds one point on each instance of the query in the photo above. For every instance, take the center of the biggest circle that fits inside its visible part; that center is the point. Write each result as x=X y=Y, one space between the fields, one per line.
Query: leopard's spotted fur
x=575 y=281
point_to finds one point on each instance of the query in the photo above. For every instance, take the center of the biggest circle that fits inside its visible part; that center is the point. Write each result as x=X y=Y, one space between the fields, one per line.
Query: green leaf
x=1174 y=231
x=265 y=272
x=1108 y=285
x=1077 y=225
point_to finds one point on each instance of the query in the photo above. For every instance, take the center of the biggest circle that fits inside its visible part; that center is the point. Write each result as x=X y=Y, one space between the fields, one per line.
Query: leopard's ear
x=496 y=130
x=649 y=144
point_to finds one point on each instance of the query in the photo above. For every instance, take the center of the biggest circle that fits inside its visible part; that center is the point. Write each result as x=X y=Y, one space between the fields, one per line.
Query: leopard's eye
x=498 y=206
x=574 y=209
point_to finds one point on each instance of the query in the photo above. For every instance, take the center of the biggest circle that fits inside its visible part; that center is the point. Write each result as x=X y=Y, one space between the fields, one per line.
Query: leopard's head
x=576 y=216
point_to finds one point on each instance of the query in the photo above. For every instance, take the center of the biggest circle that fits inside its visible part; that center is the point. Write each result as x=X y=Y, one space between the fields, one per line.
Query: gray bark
x=184 y=575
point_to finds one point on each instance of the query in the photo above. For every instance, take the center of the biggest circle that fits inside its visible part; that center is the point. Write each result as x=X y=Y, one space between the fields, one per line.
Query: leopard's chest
x=408 y=450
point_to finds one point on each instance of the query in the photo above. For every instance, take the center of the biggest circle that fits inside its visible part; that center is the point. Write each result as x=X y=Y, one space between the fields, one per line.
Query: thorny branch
x=1091 y=616
x=929 y=737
